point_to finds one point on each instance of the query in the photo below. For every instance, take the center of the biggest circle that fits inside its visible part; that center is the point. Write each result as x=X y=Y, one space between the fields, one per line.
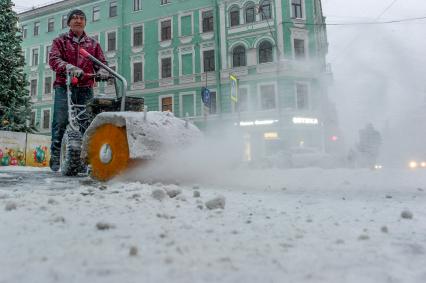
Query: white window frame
x=239 y=15
x=109 y=9
x=181 y=95
x=132 y=36
x=35 y=117
x=42 y=119
x=160 y=57
x=303 y=11
x=140 y=5
x=51 y=85
x=171 y=29
x=34 y=97
x=93 y=13
x=300 y=34
x=200 y=20
x=202 y=50
x=166 y=96
x=132 y=70
x=259 y=96
x=259 y=15
x=192 y=52
x=106 y=41
x=31 y=56
x=180 y=23
x=26 y=33
x=46 y=59
x=49 y=20
x=308 y=85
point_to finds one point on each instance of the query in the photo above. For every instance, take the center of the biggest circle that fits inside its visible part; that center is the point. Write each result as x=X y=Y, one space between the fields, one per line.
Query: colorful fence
x=21 y=149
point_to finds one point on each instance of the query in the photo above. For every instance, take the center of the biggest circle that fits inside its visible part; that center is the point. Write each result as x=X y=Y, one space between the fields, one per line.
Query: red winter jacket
x=65 y=51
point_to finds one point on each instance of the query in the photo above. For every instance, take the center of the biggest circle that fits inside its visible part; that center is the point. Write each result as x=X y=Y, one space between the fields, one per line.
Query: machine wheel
x=108 y=151
x=71 y=163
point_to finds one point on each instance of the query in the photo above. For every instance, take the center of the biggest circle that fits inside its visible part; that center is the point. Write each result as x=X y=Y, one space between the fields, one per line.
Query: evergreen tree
x=15 y=105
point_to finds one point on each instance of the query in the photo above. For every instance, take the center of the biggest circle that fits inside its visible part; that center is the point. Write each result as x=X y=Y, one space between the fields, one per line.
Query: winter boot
x=54 y=163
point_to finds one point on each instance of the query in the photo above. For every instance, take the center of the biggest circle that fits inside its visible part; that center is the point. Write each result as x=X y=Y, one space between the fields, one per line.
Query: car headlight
x=413 y=164
x=423 y=164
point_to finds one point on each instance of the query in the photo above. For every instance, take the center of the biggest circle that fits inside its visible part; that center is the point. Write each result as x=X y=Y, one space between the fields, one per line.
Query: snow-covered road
x=300 y=225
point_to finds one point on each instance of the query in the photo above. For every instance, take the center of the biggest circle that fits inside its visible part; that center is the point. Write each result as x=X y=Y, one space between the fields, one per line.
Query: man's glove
x=102 y=74
x=75 y=71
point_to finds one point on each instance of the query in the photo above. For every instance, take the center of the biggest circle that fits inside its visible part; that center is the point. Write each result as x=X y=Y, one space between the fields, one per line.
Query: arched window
x=265 y=10
x=239 y=56
x=234 y=16
x=250 y=15
x=265 y=52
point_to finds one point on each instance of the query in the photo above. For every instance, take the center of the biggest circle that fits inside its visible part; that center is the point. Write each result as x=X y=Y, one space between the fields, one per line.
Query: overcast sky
x=379 y=70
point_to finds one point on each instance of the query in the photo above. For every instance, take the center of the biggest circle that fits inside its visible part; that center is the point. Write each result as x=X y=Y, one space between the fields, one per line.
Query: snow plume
x=378 y=80
x=210 y=160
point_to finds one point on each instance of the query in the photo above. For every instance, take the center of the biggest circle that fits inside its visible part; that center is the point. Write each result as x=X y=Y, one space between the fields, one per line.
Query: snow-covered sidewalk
x=300 y=225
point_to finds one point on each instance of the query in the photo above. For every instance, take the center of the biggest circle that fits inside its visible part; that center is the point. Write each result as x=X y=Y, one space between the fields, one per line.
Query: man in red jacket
x=64 y=57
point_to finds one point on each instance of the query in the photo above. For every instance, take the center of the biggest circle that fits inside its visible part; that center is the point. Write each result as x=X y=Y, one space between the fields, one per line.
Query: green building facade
x=168 y=50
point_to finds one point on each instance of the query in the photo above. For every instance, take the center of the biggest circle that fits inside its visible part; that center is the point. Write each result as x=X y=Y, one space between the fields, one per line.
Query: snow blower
x=118 y=132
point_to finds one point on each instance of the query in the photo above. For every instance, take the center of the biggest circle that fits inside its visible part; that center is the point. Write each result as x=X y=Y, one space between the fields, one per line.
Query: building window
x=34 y=57
x=296 y=8
x=111 y=39
x=265 y=52
x=166 y=30
x=47 y=55
x=48 y=85
x=267 y=97
x=299 y=48
x=46 y=119
x=242 y=104
x=302 y=101
x=208 y=60
x=24 y=31
x=234 y=16
x=187 y=64
x=96 y=14
x=33 y=88
x=137 y=72
x=137 y=5
x=186 y=25
x=36 y=28
x=265 y=10
x=50 y=25
x=207 y=17
x=64 y=21
x=137 y=36
x=113 y=9
x=33 y=119
x=166 y=68
x=167 y=104
x=239 y=56
x=250 y=14
x=213 y=107
x=165 y=2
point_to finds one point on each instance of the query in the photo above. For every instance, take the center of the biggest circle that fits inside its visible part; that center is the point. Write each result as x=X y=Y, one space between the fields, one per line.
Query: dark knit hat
x=75 y=12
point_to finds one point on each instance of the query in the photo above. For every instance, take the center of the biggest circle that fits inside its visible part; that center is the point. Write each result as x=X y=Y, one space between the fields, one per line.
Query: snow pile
x=147 y=136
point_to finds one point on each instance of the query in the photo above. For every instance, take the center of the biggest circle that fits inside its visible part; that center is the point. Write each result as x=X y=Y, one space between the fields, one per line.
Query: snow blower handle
x=86 y=54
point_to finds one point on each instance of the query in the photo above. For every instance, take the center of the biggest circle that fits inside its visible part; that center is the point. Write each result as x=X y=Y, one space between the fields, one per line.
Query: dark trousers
x=60 y=113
